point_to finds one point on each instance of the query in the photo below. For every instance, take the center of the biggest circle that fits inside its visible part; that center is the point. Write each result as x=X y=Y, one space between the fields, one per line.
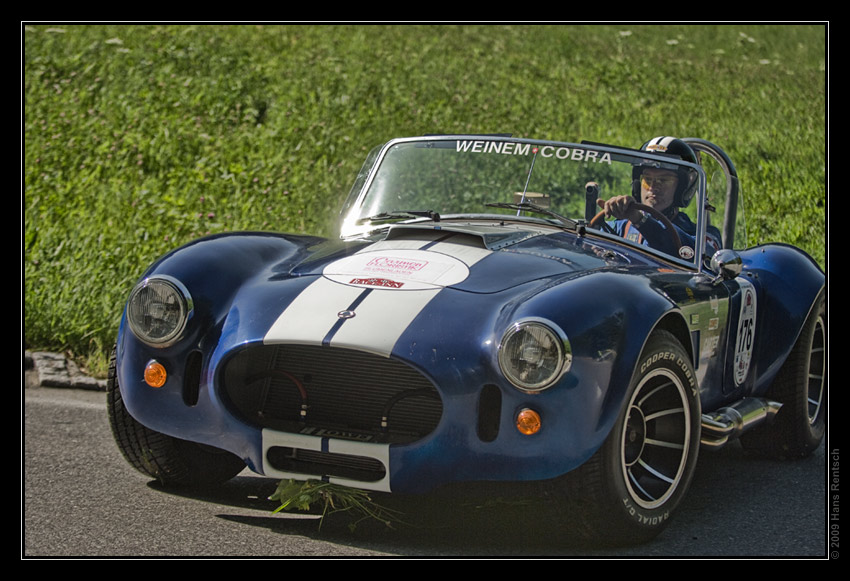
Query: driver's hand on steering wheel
x=621 y=208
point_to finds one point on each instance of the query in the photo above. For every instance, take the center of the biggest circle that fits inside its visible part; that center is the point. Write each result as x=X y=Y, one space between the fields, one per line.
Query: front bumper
x=455 y=424
x=345 y=462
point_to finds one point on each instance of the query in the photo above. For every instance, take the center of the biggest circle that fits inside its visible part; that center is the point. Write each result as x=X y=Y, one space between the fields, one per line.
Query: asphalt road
x=81 y=499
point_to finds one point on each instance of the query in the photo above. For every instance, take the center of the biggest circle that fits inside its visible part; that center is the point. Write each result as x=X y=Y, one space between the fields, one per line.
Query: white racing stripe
x=367 y=300
x=313 y=313
x=381 y=319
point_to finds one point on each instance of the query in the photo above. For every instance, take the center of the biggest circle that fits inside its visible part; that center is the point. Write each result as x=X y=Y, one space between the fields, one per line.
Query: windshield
x=447 y=178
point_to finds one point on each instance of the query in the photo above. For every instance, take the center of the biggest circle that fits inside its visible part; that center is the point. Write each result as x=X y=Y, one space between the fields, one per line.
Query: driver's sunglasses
x=659 y=181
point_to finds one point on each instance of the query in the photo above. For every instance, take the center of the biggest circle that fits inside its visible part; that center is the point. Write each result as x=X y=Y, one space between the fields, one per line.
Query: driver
x=664 y=190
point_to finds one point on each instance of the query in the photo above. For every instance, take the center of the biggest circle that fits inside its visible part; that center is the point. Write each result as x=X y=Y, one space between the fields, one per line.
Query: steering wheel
x=674 y=235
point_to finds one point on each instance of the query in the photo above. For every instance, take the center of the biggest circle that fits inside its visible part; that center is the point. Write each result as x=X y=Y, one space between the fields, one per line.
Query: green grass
x=140 y=138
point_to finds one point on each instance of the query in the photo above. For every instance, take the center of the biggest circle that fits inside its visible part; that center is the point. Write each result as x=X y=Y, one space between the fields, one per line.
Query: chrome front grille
x=329 y=391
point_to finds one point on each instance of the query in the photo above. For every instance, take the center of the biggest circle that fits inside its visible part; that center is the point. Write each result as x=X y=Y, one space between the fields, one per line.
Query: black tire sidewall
x=173 y=462
x=799 y=436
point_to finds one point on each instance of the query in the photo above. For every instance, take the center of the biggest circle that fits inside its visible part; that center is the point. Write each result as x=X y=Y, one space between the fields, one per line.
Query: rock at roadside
x=44 y=369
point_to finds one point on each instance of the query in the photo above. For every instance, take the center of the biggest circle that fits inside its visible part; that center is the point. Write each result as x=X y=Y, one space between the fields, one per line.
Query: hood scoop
x=490 y=237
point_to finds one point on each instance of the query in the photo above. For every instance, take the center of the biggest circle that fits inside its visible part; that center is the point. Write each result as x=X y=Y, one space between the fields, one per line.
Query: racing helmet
x=675 y=148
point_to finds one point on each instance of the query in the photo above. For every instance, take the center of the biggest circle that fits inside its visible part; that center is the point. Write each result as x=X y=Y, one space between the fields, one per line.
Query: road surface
x=80 y=498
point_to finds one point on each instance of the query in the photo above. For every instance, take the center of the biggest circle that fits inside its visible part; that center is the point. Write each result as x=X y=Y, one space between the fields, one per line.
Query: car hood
x=366 y=296
x=472 y=258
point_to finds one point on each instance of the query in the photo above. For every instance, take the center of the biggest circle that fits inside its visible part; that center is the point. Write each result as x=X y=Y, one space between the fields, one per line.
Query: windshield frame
x=350 y=213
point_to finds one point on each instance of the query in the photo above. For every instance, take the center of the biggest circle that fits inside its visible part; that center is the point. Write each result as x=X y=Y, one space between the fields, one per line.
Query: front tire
x=173 y=462
x=628 y=490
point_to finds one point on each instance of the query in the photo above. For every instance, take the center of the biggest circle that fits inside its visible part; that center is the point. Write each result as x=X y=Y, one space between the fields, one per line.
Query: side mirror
x=727 y=264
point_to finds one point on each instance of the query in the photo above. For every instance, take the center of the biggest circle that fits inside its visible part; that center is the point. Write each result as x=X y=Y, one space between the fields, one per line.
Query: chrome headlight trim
x=158 y=309
x=534 y=354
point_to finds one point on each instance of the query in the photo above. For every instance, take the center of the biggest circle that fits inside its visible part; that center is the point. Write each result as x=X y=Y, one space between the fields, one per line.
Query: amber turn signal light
x=155 y=375
x=528 y=422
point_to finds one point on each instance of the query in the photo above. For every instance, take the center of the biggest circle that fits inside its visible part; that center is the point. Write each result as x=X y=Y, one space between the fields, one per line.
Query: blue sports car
x=494 y=309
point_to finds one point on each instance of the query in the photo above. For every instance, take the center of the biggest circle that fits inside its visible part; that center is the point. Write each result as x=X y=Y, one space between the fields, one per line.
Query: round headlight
x=533 y=355
x=158 y=309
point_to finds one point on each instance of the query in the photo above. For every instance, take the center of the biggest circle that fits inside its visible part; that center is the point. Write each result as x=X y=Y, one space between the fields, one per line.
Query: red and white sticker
x=376 y=282
x=403 y=269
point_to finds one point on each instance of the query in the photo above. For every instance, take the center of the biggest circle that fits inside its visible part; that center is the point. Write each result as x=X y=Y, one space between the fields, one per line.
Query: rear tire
x=626 y=493
x=800 y=386
x=173 y=462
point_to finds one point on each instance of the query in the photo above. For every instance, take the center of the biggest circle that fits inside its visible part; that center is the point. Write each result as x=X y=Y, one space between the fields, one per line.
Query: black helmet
x=678 y=149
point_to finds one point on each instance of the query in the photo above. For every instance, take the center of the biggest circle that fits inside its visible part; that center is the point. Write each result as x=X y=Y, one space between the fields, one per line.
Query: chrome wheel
x=656 y=439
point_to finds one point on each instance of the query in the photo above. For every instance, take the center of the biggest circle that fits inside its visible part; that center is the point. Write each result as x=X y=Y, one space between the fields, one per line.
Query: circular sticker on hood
x=398 y=269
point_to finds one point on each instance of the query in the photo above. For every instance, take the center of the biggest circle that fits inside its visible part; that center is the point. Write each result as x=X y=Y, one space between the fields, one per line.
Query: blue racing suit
x=653 y=233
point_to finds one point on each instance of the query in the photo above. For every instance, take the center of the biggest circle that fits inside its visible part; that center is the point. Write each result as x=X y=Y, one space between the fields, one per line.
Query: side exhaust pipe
x=726 y=424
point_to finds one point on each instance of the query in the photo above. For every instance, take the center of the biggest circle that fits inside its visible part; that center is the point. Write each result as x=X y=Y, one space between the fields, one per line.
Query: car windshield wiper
x=401 y=215
x=528 y=206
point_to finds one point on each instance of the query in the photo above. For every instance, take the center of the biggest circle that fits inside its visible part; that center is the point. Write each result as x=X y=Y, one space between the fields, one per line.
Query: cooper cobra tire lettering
x=680 y=362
